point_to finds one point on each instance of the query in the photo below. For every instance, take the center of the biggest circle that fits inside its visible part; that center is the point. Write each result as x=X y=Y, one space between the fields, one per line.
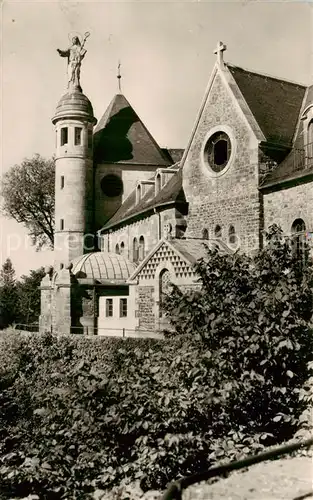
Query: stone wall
x=146 y=307
x=231 y=197
x=285 y=206
x=106 y=206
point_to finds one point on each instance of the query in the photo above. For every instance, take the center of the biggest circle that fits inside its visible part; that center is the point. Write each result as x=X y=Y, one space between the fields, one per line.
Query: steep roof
x=194 y=250
x=275 y=103
x=171 y=192
x=293 y=170
x=120 y=136
x=102 y=266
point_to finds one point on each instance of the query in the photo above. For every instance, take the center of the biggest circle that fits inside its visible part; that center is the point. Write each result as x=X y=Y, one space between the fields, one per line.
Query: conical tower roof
x=120 y=136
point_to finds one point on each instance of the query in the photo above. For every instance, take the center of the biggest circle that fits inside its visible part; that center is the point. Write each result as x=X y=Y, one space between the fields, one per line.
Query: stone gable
x=232 y=197
x=162 y=257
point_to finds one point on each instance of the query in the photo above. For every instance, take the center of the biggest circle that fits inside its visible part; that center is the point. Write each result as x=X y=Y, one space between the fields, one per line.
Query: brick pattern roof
x=275 y=103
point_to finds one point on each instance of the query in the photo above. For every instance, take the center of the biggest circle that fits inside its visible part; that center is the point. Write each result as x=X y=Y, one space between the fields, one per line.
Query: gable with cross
x=221 y=47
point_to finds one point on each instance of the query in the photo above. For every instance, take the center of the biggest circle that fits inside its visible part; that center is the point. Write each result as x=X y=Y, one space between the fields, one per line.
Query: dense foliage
x=82 y=415
x=8 y=294
x=29 y=296
x=28 y=197
x=19 y=299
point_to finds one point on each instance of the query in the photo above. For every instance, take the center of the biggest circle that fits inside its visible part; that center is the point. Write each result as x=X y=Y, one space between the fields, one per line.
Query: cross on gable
x=219 y=52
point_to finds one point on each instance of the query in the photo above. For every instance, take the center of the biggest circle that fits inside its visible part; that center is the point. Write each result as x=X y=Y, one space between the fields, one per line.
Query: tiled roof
x=101 y=266
x=171 y=192
x=120 y=136
x=286 y=172
x=275 y=103
x=194 y=249
x=175 y=154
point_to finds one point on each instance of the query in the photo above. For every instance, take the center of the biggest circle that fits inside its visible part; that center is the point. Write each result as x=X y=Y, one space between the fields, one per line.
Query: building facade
x=132 y=216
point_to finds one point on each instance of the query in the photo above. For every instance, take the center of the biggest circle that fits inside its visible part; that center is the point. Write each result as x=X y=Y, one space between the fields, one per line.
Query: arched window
x=218 y=231
x=310 y=141
x=141 y=248
x=138 y=193
x=205 y=234
x=157 y=183
x=298 y=230
x=164 y=282
x=232 y=235
x=135 y=250
x=122 y=247
x=117 y=248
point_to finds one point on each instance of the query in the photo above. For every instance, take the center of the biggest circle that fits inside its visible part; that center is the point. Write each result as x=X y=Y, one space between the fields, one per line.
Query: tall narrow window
x=231 y=235
x=61 y=224
x=218 y=231
x=122 y=246
x=141 y=248
x=157 y=183
x=62 y=181
x=298 y=231
x=135 y=250
x=123 y=308
x=64 y=136
x=109 y=308
x=310 y=143
x=78 y=136
x=138 y=193
x=89 y=139
x=205 y=234
x=117 y=249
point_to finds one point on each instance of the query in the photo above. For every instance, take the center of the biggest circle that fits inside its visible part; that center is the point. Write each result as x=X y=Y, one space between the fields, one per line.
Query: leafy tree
x=28 y=197
x=8 y=295
x=29 y=296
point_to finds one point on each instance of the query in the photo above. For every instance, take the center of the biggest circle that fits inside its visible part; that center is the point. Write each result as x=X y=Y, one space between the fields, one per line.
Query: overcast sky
x=166 y=52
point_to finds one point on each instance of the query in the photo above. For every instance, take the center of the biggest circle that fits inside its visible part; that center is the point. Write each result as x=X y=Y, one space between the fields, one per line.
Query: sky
x=166 y=51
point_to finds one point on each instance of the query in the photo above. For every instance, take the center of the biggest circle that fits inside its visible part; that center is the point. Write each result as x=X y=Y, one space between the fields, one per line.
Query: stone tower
x=74 y=121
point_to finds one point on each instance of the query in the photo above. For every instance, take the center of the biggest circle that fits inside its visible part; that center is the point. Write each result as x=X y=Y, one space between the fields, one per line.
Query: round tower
x=74 y=121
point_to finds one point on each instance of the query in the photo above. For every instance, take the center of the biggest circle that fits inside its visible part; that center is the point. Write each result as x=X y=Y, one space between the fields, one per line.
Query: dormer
x=162 y=176
x=141 y=189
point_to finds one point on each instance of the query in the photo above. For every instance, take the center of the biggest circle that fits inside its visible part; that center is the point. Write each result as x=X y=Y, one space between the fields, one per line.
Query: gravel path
x=284 y=479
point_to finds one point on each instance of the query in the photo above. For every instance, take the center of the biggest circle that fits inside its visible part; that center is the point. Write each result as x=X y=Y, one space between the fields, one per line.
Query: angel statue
x=75 y=54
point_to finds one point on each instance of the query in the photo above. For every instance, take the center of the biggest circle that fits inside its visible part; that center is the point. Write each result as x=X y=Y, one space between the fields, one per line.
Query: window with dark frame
x=141 y=250
x=298 y=230
x=135 y=250
x=218 y=231
x=78 y=136
x=205 y=234
x=64 y=136
x=62 y=181
x=123 y=308
x=89 y=139
x=232 y=235
x=218 y=151
x=61 y=224
x=109 y=308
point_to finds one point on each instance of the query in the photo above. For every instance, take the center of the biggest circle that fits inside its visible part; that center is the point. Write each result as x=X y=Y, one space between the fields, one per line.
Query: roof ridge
x=266 y=75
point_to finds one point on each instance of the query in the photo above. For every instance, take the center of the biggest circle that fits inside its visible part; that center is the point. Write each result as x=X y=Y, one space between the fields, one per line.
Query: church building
x=131 y=216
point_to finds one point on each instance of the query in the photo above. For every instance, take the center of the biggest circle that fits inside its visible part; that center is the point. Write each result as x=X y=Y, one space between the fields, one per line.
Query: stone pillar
x=46 y=297
x=89 y=319
x=61 y=319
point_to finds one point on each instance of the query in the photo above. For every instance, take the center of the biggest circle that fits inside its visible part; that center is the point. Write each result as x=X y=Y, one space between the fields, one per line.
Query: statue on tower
x=75 y=54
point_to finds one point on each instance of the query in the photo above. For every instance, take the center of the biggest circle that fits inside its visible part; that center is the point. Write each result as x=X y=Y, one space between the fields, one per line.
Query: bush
x=86 y=414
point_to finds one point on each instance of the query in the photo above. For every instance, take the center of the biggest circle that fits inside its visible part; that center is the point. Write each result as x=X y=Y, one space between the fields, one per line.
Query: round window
x=112 y=185
x=217 y=151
